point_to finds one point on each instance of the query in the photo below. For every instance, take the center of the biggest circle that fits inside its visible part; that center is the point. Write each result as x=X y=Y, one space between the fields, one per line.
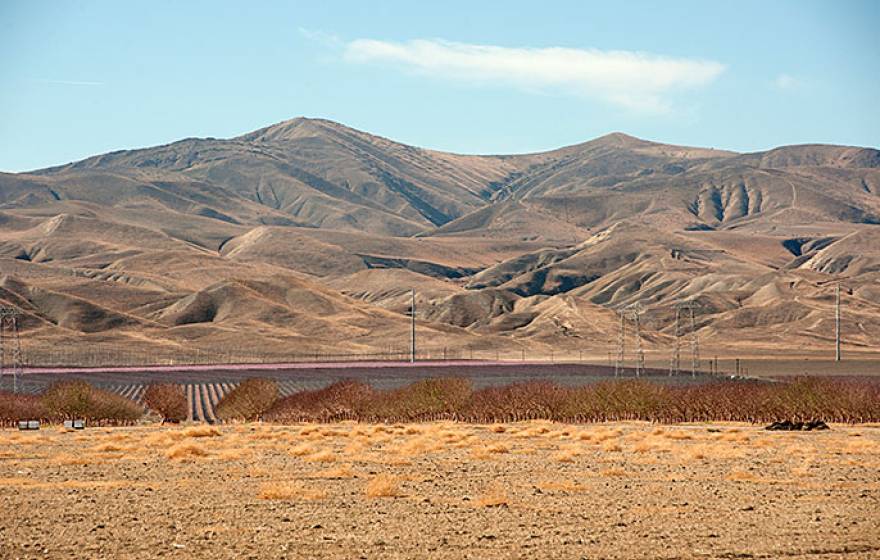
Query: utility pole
x=837 y=323
x=412 y=357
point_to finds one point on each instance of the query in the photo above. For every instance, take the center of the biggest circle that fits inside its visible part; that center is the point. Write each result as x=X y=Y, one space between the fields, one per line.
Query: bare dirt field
x=441 y=490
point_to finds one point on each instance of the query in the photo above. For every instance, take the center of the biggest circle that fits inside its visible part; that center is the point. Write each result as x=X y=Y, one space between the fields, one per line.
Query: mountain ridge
x=196 y=242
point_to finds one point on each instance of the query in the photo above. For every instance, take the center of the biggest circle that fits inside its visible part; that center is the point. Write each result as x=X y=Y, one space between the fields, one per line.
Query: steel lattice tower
x=632 y=312
x=11 y=362
x=691 y=313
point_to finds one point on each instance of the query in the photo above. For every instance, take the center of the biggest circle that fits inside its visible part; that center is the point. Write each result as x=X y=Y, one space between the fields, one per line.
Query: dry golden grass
x=289 y=491
x=22 y=482
x=739 y=475
x=610 y=446
x=110 y=448
x=482 y=452
x=862 y=447
x=186 y=451
x=733 y=436
x=335 y=473
x=804 y=470
x=713 y=451
x=418 y=446
x=201 y=431
x=68 y=459
x=163 y=439
x=235 y=454
x=678 y=435
x=383 y=486
x=602 y=435
x=561 y=486
x=302 y=450
x=494 y=496
x=613 y=471
x=323 y=456
x=568 y=453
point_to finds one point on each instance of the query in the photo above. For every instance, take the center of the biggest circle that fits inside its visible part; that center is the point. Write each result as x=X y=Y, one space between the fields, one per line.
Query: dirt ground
x=529 y=490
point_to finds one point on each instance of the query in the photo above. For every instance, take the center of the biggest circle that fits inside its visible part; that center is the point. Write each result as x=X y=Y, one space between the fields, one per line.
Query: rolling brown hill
x=305 y=238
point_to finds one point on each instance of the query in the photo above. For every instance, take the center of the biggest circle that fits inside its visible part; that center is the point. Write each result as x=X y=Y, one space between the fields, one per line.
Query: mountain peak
x=620 y=139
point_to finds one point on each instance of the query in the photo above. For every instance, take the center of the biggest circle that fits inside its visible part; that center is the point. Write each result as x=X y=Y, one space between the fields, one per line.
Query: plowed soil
x=529 y=490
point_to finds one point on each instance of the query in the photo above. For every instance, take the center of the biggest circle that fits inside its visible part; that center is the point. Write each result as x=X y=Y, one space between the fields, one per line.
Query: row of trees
x=69 y=400
x=831 y=400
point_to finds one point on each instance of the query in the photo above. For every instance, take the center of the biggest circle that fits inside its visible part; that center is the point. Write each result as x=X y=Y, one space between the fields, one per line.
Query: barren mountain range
x=306 y=236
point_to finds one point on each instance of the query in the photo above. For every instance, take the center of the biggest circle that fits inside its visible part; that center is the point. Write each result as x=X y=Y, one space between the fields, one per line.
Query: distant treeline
x=845 y=400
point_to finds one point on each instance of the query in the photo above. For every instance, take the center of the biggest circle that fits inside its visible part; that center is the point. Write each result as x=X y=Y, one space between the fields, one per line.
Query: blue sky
x=81 y=78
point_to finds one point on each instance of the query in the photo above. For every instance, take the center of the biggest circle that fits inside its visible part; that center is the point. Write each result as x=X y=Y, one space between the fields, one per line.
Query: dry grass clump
x=739 y=475
x=288 y=491
x=494 y=496
x=335 y=473
x=163 y=438
x=323 y=456
x=497 y=448
x=565 y=486
x=568 y=453
x=110 y=448
x=201 y=431
x=383 y=486
x=678 y=435
x=610 y=446
x=613 y=471
x=600 y=436
x=713 y=451
x=186 y=451
x=234 y=454
x=419 y=446
x=483 y=452
x=651 y=444
x=68 y=459
x=302 y=450
x=733 y=436
x=804 y=470
x=860 y=447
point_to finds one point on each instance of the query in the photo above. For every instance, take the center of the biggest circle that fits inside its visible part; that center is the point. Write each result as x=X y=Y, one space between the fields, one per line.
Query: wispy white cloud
x=786 y=82
x=638 y=81
x=70 y=83
x=328 y=39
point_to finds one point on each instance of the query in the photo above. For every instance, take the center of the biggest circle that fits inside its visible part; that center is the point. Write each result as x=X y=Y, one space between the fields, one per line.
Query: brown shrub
x=340 y=401
x=168 y=399
x=249 y=401
x=17 y=406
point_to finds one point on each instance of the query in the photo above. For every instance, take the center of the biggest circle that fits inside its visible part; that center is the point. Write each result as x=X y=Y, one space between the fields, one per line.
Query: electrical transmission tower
x=10 y=347
x=412 y=340
x=633 y=313
x=685 y=310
